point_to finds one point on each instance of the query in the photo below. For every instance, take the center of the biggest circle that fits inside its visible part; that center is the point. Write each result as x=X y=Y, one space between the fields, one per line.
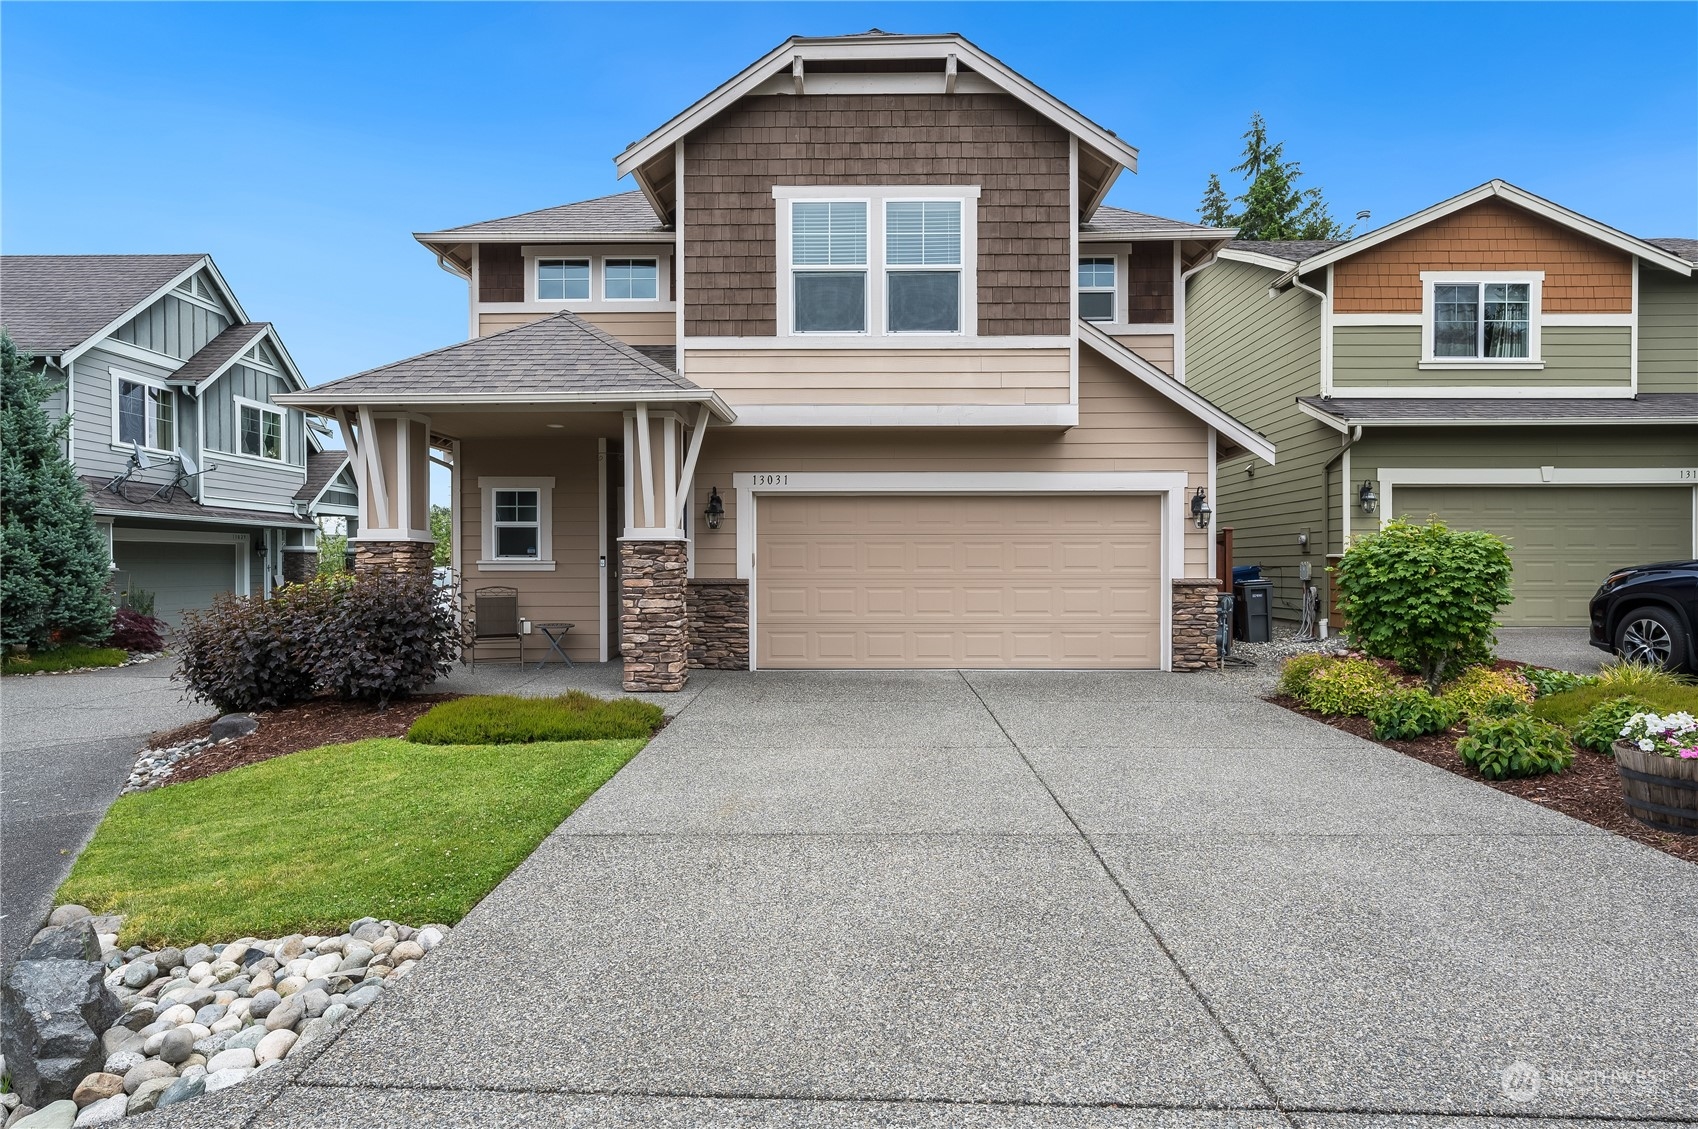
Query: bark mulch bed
x=322 y=721
x=1590 y=790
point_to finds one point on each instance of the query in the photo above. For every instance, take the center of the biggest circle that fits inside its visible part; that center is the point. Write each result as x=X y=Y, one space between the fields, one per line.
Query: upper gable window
x=145 y=412
x=1484 y=320
x=630 y=280
x=922 y=262
x=563 y=280
x=261 y=430
x=1096 y=289
x=828 y=259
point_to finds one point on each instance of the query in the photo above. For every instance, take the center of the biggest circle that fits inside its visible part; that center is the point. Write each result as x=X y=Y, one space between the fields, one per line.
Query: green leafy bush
x=1471 y=692
x=1348 y=686
x=1405 y=714
x=1639 y=678
x=1522 y=745
x=1294 y=676
x=496 y=719
x=1424 y=596
x=1601 y=728
x=1546 y=681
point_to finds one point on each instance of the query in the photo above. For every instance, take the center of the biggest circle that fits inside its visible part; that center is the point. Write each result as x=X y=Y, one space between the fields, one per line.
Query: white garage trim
x=1393 y=477
x=1170 y=485
x=240 y=543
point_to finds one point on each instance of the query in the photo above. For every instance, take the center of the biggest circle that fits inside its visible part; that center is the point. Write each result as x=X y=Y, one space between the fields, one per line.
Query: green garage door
x=1563 y=540
x=182 y=576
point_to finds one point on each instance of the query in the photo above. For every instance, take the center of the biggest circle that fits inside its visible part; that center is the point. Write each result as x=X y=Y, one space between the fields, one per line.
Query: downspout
x=450 y=265
x=1351 y=438
x=1179 y=330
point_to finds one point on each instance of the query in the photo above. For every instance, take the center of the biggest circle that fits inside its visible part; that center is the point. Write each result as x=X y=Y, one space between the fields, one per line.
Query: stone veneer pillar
x=719 y=624
x=654 y=621
x=298 y=568
x=1195 y=599
x=393 y=556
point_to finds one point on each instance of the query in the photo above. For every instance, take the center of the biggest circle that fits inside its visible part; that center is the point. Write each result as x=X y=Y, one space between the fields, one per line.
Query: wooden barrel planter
x=1661 y=792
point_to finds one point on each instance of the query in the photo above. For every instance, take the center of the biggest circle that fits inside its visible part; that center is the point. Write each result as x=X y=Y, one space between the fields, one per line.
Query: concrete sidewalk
x=1034 y=899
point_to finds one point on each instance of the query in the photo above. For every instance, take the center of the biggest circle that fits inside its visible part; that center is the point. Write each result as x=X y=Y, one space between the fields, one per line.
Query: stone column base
x=298 y=568
x=1195 y=599
x=719 y=624
x=393 y=557
x=654 y=621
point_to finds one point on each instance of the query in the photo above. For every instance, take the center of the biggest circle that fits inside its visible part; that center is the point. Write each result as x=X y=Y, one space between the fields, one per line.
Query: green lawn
x=310 y=841
x=502 y=719
x=69 y=657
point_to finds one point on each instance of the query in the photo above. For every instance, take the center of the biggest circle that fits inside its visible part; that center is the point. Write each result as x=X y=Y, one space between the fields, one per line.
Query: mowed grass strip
x=1569 y=707
x=74 y=656
x=310 y=841
x=499 y=719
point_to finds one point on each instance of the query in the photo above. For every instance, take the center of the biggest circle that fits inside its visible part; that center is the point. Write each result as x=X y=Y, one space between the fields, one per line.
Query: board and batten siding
x=1389 y=356
x=1668 y=331
x=1123 y=426
x=92 y=390
x=634 y=327
x=174 y=327
x=883 y=376
x=1254 y=355
x=223 y=420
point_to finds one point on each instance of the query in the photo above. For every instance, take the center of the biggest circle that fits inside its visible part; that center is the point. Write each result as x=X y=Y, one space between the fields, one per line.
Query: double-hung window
x=261 y=430
x=828 y=261
x=922 y=265
x=632 y=280
x=1482 y=320
x=563 y=280
x=517 y=524
x=146 y=413
x=1096 y=289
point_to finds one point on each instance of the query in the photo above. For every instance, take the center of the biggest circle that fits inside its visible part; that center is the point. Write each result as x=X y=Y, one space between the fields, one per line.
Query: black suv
x=1649 y=614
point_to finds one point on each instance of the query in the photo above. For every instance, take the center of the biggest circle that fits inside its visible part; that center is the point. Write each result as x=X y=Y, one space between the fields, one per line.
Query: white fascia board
x=313 y=503
x=585 y=401
x=171 y=284
x=286 y=519
x=450 y=238
x=239 y=315
x=1257 y=259
x=873 y=47
x=282 y=350
x=1252 y=441
x=1159 y=235
x=1521 y=198
x=1327 y=418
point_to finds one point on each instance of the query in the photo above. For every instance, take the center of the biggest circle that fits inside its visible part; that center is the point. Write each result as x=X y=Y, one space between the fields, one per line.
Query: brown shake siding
x=1581 y=275
x=1018 y=159
x=501 y=273
x=1149 y=281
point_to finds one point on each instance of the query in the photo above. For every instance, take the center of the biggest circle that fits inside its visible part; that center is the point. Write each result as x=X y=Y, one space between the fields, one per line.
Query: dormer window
x=563 y=280
x=1481 y=320
x=1096 y=289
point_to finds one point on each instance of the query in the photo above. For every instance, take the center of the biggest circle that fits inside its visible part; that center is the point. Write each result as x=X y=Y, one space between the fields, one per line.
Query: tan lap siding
x=1123 y=426
x=1157 y=348
x=1581 y=275
x=570 y=593
x=634 y=327
x=882 y=376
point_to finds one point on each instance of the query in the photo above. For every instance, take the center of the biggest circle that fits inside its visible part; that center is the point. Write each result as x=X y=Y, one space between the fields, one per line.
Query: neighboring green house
x=1496 y=360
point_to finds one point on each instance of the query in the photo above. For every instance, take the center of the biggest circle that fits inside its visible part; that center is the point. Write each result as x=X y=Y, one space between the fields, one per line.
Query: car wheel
x=1652 y=636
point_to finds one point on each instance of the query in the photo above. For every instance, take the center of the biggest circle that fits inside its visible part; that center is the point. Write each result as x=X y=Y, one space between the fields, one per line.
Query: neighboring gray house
x=193 y=470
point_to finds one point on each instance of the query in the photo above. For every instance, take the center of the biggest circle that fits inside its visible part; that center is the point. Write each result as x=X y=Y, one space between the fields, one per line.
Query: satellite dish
x=141 y=461
x=188 y=463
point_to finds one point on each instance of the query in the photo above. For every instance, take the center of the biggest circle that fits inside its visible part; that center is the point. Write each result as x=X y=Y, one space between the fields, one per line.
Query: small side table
x=555 y=633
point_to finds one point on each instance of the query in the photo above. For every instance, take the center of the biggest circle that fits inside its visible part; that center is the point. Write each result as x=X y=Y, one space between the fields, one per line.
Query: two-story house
x=863 y=374
x=1497 y=360
x=191 y=464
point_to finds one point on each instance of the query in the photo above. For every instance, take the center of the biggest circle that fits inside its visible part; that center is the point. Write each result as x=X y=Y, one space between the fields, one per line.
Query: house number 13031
x=770 y=479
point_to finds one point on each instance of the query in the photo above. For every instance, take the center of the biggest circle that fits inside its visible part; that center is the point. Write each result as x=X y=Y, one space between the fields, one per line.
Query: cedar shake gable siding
x=1019 y=160
x=1581 y=274
x=501 y=273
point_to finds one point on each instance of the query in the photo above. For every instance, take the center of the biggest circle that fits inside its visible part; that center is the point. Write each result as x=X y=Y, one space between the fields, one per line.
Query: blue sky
x=302 y=144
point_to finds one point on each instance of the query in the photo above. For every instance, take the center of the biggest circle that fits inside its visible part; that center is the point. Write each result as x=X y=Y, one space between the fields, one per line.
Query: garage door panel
x=975 y=581
x=182 y=576
x=1563 y=540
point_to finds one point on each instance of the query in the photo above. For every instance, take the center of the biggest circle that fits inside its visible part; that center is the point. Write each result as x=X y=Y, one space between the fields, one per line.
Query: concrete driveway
x=67 y=743
x=1036 y=899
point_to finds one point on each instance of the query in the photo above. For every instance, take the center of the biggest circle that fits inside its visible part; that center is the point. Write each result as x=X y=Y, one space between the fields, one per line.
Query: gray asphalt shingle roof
x=322 y=466
x=1292 y=250
x=561 y=353
x=51 y=303
x=1108 y=220
x=1647 y=407
x=622 y=214
x=137 y=500
x=214 y=353
x=1685 y=248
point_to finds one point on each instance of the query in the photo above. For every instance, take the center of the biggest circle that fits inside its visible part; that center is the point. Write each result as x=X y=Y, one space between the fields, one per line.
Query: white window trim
x=534 y=279
x=876 y=196
x=150 y=425
x=596 y=255
x=653 y=260
x=1118 y=317
x=544 y=560
x=282 y=432
x=1535 y=281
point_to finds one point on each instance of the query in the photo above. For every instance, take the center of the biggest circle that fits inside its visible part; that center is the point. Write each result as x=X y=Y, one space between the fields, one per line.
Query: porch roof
x=560 y=360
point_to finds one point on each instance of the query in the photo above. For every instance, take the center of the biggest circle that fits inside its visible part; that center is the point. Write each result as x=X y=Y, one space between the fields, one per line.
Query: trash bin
x=1241 y=573
x=1252 y=612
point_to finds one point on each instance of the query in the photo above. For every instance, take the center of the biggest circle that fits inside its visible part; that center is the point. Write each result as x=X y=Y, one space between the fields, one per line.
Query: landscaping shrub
x=1570 y=707
x=1547 y=681
x=1405 y=714
x=134 y=631
x=245 y=653
x=392 y=635
x=1295 y=675
x=1523 y=745
x=1476 y=687
x=494 y=719
x=1601 y=727
x=1424 y=596
x=1348 y=686
x=1639 y=678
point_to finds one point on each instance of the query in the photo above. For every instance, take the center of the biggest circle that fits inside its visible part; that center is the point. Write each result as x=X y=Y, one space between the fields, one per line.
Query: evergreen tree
x=1216 y=209
x=1274 y=207
x=54 y=566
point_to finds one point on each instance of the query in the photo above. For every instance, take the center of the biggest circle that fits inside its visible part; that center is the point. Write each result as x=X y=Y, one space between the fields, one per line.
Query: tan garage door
x=972 y=581
x=1563 y=540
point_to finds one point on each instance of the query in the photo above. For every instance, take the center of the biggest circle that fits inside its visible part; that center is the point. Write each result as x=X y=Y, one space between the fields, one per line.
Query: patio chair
x=495 y=618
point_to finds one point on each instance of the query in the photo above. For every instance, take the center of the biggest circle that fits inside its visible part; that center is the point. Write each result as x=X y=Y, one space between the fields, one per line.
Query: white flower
x=1646 y=745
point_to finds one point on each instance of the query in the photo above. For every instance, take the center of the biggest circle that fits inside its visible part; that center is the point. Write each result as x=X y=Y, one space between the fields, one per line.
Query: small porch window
x=516 y=525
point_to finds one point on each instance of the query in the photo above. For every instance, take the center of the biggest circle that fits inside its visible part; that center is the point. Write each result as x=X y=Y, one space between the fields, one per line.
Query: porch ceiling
x=527 y=423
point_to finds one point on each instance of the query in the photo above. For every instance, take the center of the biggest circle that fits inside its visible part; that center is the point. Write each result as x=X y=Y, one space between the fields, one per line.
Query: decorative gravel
x=1265 y=659
x=136 y=659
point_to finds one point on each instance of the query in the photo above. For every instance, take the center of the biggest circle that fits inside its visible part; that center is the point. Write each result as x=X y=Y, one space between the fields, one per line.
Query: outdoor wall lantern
x=1201 y=511
x=715 y=510
x=1367 y=496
